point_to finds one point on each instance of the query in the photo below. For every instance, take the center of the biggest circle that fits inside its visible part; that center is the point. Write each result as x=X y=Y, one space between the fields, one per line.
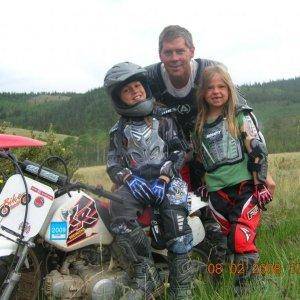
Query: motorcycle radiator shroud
x=74 y=222
x=12 y=210
x=69 y=222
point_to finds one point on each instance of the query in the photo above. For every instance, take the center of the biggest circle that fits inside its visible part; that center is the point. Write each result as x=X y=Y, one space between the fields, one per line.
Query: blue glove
x=140 y=189
x=158 y=188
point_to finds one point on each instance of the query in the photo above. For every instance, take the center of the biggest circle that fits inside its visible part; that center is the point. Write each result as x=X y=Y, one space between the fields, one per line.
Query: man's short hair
x=172 y=32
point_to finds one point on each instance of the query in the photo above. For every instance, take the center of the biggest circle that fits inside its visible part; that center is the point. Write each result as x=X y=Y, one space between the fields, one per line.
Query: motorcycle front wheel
x=29 y=284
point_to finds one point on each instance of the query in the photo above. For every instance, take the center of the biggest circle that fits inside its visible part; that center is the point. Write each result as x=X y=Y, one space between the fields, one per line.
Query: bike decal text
x=10 y=203
x=42 y=193
x=58 y=231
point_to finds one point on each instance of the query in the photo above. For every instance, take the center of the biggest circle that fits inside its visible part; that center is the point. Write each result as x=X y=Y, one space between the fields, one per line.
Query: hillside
x=90 y=115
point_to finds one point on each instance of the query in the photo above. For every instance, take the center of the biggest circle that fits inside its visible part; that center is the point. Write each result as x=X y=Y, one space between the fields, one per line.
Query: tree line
x=89 y=116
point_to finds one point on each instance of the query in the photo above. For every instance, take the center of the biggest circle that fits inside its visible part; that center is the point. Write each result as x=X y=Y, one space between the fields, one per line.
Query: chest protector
x=219 y=147
x=186 y=106
x=144 y=145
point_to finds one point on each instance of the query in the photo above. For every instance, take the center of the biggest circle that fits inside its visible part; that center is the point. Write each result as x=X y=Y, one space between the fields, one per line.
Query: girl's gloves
x=202 y=191
x=262 y=195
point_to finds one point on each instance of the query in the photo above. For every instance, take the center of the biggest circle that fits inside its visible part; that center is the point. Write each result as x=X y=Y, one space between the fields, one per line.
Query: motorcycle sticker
x=25 y=200
x=4 y=210
x=39 y=201
x=58 y=231
x=27 y=227
x=42 y=193
x=84 y=216
x=10 y=203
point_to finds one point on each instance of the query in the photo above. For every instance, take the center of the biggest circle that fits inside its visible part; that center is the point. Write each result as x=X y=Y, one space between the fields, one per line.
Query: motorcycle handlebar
x=61 y=180
x=99 y=191
x=47 y=174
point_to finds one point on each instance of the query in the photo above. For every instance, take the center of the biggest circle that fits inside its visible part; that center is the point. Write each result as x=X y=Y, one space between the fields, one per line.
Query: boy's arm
x=115 y=167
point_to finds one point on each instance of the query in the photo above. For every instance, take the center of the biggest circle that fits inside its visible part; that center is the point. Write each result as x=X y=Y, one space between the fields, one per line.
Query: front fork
x=15 y=275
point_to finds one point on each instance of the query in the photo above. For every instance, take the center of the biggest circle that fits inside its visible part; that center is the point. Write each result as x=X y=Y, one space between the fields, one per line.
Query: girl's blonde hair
x=229 y=109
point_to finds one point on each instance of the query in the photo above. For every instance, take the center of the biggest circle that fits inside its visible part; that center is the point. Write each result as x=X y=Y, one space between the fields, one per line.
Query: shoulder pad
x=207 y=62
x=114 y=128
x=202 y=64
x=242 y=104
x=152 y=71
x=163 y=111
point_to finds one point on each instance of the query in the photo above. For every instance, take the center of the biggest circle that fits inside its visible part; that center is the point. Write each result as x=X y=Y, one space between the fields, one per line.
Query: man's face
x=176 y=56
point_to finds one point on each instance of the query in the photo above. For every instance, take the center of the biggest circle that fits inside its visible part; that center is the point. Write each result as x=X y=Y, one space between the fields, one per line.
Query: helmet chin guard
x=120 y=75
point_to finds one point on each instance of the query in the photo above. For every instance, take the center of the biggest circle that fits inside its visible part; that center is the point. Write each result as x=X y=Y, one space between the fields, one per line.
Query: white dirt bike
x=56 y=243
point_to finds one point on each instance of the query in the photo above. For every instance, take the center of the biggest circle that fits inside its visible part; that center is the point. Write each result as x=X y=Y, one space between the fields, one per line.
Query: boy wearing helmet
x=144 y=159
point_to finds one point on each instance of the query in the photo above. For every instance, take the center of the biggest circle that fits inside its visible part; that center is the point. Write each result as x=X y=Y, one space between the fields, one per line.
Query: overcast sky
x=62 y=45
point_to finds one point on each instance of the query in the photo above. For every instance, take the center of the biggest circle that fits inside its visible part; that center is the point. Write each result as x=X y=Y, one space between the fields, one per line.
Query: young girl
x=234 y=156
x=144 y=159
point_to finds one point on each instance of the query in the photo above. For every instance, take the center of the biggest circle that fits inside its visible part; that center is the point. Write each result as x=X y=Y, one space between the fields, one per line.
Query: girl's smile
x=217 y=93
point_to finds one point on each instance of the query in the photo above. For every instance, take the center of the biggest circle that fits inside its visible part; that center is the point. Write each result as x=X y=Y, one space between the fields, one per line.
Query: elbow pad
x=258 y=150
x=119 y=177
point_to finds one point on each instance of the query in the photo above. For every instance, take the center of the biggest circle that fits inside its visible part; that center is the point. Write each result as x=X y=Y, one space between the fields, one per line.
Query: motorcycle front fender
x=7 y=247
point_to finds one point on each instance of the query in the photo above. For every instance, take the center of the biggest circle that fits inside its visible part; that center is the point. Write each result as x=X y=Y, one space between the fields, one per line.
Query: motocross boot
x=181 y=276
x=146 y=282
x=133 y=250
x=245 y=264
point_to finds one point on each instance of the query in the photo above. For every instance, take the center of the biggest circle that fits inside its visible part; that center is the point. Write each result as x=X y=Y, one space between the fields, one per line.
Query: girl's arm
x=256 y=148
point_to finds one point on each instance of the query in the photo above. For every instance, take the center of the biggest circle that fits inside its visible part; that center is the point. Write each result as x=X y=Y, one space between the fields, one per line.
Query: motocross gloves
x=159 y=190
x=140 y=189
x=262 y=195
x=172 y=166
x=202 y=191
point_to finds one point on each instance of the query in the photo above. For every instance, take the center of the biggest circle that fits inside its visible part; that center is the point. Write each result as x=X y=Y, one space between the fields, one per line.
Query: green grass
x=95 y=175
x=278 y=240
x=278 y=236
x=28 y=133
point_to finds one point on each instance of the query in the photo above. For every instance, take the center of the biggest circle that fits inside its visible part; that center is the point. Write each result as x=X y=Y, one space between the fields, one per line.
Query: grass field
x=28 y=133
x=278 y=237
x=95 y=175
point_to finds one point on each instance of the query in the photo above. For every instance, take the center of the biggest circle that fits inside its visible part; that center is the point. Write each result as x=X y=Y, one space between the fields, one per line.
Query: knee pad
x=182 y=244
x=175 y=226
x=177 y=193
x=241 y=239
x=123 y=226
